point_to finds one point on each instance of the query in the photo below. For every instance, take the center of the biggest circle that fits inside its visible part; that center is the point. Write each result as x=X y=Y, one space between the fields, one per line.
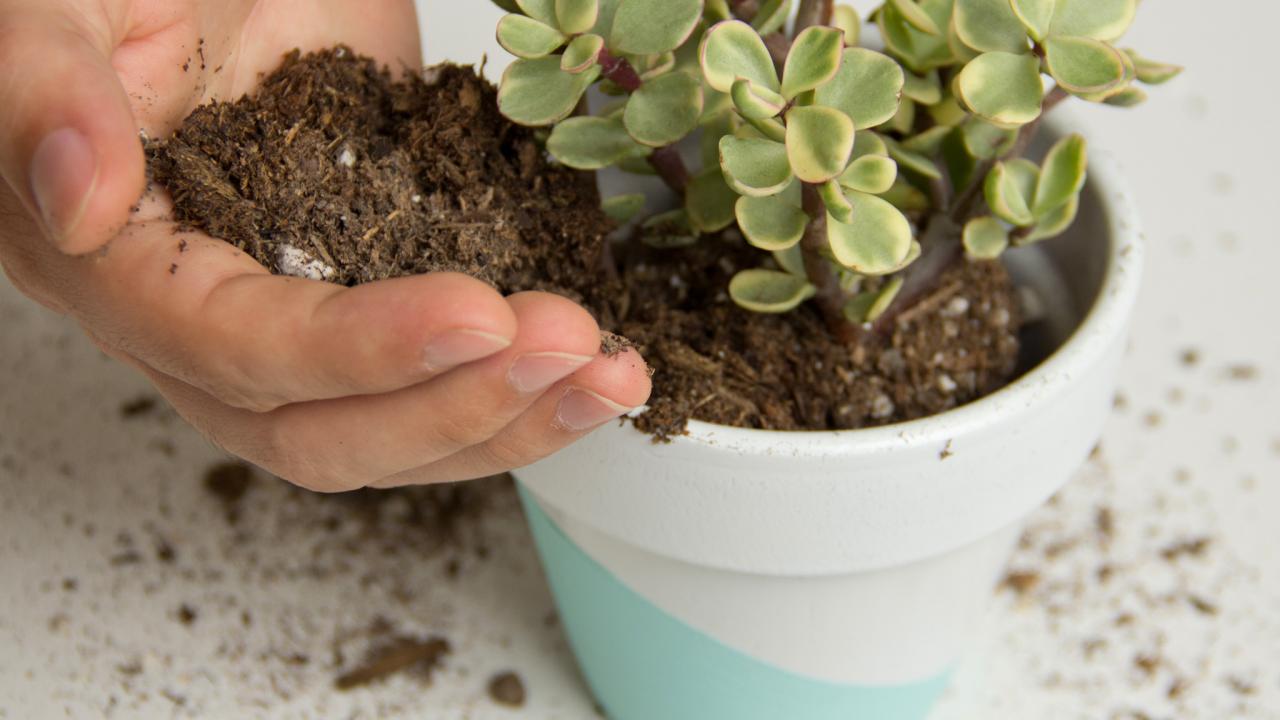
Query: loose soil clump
x=336 y=171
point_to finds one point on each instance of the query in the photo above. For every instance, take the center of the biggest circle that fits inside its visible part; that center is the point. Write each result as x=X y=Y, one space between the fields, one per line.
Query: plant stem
x=745 y=9
x=814 y=12
x=941 y=248
x=830 y=297
x=620 y=71
x=666 y=161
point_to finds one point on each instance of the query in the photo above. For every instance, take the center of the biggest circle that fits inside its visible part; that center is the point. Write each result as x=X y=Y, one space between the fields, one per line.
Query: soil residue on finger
x=334 y=170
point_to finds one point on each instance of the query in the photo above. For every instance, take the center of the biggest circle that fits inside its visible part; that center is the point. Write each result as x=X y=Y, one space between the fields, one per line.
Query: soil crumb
x=399 y=654
x=228 y=482
x=334 y=170
x=507 y=689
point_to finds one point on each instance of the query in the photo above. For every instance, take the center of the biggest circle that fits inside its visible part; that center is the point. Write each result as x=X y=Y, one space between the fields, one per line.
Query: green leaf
x=869 y=143
x=1083 y=65
x=985 y=238
x=508 y=5
x=1152 y=72
x=604 y=19
x=756 y=102
x=990 y=26
x=904 y=120
x=867 y=88
x=591 y=143
x=915 y=16
x=623 y=208
x=665 y=109
x=872 y=174
x=637 y=166
x=846 y=18
x=581 y=53
x=948 y=112
x=986 y=141
x=667 y=230
x=1002 y=87
x=528 y=38
x=755 y=166
x=814 y=59
x=876 y=242
x=1055 y=223
x=1098 y=19
x=577 y=16
x=924 y=90
x=770 y=223
x=906 y=197
x=732 y=50
x=1035 y=16
x=838 y=205
x=651 y=27
x=913 y=162
x=544 y=11
x=819 y=142
x=771 y=16
x=709 y=201
x=769 y=291
x=919 y=51
x=791 y=260
x=1062 y=175
x=537 y=92
x=884 y=298
x=1008 y=195
x=1128 y=97
x=929 y=142
x=717 y=10
x=657 y=65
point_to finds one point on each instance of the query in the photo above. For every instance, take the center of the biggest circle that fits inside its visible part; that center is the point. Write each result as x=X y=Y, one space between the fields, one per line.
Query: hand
x=423 y=379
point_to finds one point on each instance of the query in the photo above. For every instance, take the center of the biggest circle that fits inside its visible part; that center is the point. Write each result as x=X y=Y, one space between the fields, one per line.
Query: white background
x=1112 y=629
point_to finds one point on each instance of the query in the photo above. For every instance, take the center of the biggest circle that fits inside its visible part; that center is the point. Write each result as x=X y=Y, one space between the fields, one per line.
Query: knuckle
x=511 y=452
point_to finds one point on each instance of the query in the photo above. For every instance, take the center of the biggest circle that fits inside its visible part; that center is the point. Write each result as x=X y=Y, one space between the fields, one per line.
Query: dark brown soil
x=337 y=167
x=507 y=689
x=400 y=654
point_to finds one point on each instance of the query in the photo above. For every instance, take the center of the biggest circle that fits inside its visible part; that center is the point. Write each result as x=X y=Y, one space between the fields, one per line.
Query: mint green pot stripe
x=644 y=664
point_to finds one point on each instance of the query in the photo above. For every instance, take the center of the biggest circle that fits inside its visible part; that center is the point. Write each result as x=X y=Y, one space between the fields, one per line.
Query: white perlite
x=299 y=263
x=347 y=158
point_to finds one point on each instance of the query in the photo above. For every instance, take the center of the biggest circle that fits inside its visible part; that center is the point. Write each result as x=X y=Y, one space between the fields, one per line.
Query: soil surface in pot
x=337 y=171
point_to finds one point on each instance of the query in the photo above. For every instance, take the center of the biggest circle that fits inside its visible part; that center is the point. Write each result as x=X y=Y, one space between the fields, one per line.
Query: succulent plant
x=859 y=173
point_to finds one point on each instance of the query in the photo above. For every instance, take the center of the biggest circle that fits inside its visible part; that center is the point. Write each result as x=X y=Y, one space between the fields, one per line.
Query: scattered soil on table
x=335 y=171
x=401 y=653
x=507 y=689
x=229 y=481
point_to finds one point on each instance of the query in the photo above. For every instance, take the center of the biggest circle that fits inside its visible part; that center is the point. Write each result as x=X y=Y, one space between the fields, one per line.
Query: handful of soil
x=335 y=171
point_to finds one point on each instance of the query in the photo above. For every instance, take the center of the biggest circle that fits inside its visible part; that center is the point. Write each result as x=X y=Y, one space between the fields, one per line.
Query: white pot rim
x=1108 y=316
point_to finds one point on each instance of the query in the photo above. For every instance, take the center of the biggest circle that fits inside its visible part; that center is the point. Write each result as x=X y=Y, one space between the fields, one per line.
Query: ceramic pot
x=752 y=575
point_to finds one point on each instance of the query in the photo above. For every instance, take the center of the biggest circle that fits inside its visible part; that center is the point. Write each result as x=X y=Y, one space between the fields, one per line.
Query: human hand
x=423 y=379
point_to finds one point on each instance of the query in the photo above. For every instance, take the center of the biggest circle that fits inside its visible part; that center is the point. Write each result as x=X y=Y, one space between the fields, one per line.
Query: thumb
x=68 y=140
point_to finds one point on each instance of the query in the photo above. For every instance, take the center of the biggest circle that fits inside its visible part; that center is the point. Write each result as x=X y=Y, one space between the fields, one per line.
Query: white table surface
x=1112 y=630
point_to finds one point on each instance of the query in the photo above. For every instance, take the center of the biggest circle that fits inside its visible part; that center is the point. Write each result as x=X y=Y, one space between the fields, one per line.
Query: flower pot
x=750 y=575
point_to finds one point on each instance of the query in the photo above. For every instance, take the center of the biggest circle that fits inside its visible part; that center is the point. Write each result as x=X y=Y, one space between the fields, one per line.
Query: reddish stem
x=619 y=71
x=831 y=297
x=814 y=12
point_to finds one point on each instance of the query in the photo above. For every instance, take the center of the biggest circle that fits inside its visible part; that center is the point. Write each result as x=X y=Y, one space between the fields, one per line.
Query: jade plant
x=860 y=174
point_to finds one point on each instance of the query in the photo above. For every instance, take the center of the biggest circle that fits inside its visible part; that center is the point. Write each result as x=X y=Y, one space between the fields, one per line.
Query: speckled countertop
x=1150 y=588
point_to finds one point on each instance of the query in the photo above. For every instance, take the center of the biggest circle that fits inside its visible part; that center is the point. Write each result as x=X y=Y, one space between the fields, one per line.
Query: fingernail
x=582 y=410
x=538 y=371
x=64 y=170
x=457 y=347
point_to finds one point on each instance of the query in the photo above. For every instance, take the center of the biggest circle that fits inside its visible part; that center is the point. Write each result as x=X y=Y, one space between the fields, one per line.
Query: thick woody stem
x=831 y=297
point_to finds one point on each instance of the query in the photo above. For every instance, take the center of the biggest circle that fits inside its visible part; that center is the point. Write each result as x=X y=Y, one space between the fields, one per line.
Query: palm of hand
x=457 y=381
